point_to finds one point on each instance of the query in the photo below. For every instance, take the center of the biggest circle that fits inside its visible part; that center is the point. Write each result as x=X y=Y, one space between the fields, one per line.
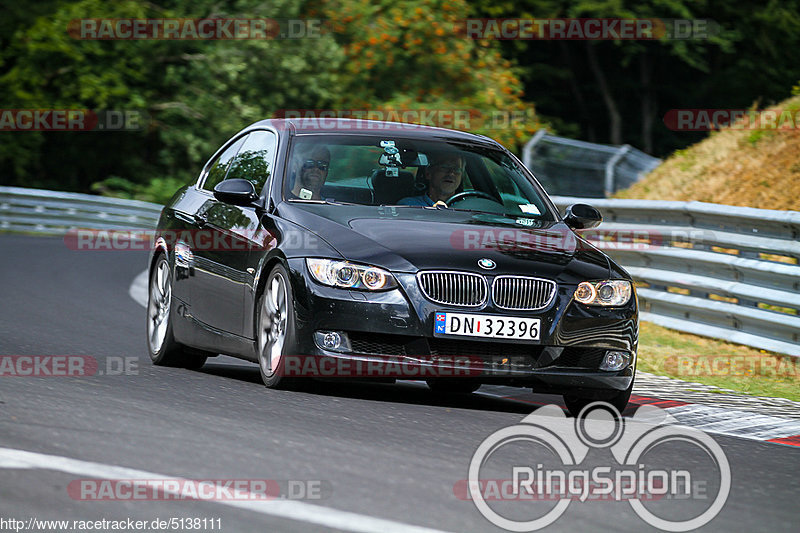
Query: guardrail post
x=527 y=150
x=610 y=164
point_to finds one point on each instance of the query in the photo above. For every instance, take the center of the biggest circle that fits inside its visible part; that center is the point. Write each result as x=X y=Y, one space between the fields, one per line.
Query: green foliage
x=755 y=136
x=750 y=54
x=375 y=55
x=157 y=190
x=195 y=93
x=407 y=55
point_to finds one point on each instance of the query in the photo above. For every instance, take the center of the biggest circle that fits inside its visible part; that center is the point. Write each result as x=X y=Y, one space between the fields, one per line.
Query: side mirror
x=581 y=216
x=236 y=191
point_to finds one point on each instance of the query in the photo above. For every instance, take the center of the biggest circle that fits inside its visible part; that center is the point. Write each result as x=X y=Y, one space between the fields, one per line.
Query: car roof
x=348 y=126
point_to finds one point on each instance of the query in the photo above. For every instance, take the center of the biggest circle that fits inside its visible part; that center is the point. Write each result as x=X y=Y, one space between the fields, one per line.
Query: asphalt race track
x=382 y=457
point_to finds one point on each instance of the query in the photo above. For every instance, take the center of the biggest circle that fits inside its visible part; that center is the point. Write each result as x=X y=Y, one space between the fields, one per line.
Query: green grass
x=713 y=362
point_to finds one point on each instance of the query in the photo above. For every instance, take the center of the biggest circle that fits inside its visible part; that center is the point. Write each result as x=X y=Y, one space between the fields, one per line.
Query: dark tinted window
x=220 y=167
x=489 y=178
x=255 y=158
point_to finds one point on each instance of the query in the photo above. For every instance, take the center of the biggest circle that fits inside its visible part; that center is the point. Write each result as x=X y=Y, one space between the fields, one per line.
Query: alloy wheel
x=159 y=306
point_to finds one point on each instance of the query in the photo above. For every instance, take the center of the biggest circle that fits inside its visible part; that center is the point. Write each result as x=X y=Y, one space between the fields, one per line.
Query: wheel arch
x=267 y=265
x=160 y=247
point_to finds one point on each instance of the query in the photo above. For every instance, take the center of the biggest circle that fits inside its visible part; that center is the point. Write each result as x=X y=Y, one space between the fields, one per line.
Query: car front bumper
x=391 y=335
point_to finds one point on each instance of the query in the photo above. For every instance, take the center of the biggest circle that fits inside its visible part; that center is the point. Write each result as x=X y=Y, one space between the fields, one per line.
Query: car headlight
x=346 y=275
x=610 y=292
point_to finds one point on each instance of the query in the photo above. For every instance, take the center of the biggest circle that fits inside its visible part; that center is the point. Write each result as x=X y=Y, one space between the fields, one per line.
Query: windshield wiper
x=325 y=201
x=507 y=215
x=513 y=216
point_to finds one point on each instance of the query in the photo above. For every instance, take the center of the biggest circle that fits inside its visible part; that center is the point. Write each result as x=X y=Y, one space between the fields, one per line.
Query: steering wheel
x=466 y=194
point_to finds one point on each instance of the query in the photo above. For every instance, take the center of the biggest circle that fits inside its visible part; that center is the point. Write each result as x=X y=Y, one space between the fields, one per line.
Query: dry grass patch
x=744 y=167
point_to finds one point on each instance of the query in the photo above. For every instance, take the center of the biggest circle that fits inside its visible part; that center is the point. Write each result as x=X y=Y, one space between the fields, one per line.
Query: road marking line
x=730 y=422
x=138 y=289
x=658 y=402
x=718 y=420
x=794 y=440
x=288 y=509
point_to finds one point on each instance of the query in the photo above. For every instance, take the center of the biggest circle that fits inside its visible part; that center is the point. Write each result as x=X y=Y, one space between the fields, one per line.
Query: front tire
x=163 y=349
x=276 y=334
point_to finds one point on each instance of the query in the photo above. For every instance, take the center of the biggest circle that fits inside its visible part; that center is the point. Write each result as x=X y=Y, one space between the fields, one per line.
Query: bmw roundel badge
x=486 y=264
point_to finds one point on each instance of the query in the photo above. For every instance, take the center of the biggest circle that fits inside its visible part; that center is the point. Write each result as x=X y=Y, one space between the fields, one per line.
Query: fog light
x=614 y=361
x=331 y=340
x=335 y=341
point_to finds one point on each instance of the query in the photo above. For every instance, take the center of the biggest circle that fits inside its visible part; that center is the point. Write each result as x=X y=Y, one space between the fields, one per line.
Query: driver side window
x=219 y=168
x=255 y=159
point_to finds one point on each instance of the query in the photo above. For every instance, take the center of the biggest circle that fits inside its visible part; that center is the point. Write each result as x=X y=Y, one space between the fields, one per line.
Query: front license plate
x=506 y=327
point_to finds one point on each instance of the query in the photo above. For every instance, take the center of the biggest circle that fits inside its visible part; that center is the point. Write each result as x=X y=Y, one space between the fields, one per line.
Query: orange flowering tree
x=413 y=55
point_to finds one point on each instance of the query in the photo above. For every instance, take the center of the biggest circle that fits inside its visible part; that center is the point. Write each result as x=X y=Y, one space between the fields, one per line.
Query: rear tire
x=161 y=344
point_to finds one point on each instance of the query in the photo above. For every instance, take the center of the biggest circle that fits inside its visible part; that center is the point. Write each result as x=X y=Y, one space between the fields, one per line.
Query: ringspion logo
x=689 y=494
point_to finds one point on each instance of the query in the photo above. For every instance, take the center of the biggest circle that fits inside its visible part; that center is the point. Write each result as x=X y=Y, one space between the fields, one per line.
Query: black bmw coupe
x=361 y=249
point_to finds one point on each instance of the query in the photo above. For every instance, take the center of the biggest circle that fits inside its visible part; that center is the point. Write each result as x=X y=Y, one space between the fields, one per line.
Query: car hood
x=408 y=239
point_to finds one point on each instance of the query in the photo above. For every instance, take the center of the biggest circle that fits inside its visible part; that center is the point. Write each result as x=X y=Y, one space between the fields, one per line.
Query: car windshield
x=416 y=173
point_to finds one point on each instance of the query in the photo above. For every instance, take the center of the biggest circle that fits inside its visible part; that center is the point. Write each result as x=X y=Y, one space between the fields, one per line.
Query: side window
x=220 y=167
x=254 y=160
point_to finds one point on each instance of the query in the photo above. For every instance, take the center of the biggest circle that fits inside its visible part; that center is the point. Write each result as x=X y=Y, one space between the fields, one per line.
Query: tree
x=411 y=54
x=194 y=94
x=607 y=91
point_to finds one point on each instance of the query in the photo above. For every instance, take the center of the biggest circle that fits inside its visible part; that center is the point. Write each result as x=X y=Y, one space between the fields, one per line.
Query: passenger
x=310 y=173
x=443 y=175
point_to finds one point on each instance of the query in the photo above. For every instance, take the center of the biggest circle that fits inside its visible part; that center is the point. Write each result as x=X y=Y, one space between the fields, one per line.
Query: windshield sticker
x=530 y=209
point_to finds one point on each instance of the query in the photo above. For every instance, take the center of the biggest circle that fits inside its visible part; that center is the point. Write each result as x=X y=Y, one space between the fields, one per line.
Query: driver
x=444 y=175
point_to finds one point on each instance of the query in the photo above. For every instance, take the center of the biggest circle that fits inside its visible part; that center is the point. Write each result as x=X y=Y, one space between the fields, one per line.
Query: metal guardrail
x=708 y=269
x=713 y=270
x=55 y=213
x=597 y=170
